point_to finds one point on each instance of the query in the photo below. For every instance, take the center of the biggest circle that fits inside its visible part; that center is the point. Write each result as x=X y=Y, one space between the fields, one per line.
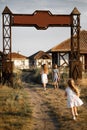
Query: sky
x=29 y=40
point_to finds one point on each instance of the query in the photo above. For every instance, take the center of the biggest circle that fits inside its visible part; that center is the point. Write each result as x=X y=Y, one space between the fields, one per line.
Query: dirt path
x=42 y=119
x=50 y=111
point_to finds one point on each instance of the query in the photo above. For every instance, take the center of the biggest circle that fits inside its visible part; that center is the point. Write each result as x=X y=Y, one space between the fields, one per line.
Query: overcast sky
x=29 y=40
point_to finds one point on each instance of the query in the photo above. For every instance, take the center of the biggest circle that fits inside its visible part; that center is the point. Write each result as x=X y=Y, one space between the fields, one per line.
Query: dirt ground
x=50 y=111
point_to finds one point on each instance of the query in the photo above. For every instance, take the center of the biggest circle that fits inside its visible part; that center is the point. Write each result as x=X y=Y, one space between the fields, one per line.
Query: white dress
x=72 y=98
x=44 y=78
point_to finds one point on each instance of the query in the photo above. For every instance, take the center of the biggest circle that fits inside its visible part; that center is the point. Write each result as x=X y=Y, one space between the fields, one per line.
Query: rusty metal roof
x=65 y=45
x=1 y=53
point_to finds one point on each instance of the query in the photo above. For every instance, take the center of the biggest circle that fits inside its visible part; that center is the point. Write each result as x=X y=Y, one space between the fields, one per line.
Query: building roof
x=40 y=55
x=65 y=45
x=1 y=53
x=6 y=10
x=15 y=55
x=75 y=11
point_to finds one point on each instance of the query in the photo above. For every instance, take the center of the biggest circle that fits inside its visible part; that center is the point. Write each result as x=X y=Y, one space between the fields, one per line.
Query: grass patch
x=15 y=110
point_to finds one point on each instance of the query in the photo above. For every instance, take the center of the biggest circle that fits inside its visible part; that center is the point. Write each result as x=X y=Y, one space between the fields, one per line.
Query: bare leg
x=44 y=86
x=73 y=113
x=54 y=86
x=57 y=85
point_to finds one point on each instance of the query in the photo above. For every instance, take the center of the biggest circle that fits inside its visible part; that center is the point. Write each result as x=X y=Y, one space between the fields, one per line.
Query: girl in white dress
x=44 y=77
x=73 y=100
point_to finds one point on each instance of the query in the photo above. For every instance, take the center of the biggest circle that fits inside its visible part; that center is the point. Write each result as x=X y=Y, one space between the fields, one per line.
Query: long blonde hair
x=72 y=85
x=45 y=68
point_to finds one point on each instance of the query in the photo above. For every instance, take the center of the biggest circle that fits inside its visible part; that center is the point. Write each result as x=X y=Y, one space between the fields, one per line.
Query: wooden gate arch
x=42 y=19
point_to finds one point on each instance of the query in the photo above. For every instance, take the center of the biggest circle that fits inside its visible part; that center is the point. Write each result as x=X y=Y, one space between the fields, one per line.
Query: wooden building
x=40 y=58
x=19 y=61
x=62 y=51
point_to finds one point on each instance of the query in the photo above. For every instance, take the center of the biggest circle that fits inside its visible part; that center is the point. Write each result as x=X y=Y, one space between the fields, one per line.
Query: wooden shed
x=62 y=50
x=39 y=58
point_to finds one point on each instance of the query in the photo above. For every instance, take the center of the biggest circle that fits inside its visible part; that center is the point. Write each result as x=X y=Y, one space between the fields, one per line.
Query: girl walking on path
x=44 y=73
x=55 y=76
x=73 y=100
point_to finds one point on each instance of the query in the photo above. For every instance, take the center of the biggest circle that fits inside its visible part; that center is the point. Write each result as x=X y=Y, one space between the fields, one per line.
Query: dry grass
x=18 y=107
x=14 y=108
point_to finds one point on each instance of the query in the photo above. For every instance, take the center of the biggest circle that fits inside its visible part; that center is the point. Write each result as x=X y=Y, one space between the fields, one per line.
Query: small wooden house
x=40 y=58
x=19 y=61
x=63 y=49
